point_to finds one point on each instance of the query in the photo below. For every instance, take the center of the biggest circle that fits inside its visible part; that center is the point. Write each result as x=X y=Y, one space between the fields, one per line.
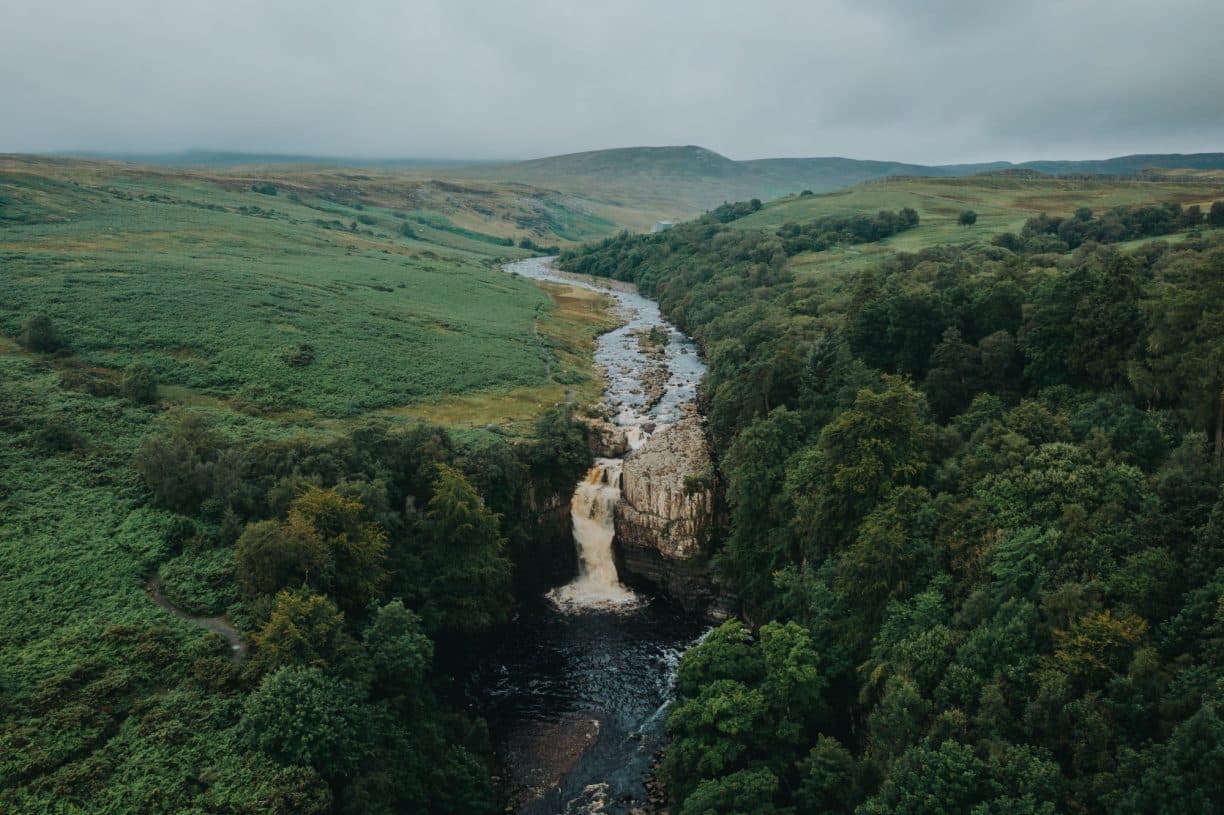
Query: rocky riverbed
x=578 y=693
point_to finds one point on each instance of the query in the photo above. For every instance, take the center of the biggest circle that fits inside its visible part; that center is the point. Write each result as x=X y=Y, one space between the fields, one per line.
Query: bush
x=200 y=583
x=299 y=356
x=532 y=246
x=967 y=218
x=139 y=384
x=38 y=334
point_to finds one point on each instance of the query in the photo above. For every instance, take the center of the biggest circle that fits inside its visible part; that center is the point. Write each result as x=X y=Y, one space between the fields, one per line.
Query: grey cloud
x=931 y=82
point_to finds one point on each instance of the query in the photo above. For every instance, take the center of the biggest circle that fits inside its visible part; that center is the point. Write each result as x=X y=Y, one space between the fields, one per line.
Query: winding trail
x=217 y=625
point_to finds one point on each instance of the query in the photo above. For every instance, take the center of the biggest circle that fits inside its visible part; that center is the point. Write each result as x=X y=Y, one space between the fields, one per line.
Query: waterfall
x=593 y=512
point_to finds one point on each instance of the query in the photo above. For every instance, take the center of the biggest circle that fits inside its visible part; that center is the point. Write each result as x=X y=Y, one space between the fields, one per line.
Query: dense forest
x=364 y=572
x=974 y=514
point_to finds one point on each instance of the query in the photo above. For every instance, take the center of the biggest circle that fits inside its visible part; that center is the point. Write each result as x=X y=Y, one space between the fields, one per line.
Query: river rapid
x=577 y=693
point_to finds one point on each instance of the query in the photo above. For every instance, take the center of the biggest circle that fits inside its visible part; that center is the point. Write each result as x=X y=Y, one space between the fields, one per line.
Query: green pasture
x=218 y=288
x=1002 y=204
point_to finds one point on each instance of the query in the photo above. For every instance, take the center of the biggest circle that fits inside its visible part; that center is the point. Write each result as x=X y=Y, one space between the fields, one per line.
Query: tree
x=746 y=792
x=189 y=467
x=892 y=555
x=714 y=734
x=302 y=716
x=1182 y=363
x=357 y=547
x=272 y=556
x=399 y=652
x=1215 y=216
x=755 y=468
x=726 y=653
x=560 y=454
x=952 y=780
x=881 y=442
x=967 y=218
x=955 y=375
x=304 y=630
x=139 y=384
x=829 y=780
x=463 y=560
x=39 y=335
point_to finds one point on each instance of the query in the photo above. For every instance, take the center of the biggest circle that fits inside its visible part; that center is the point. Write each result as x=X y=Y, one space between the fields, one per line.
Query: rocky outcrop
x=547 y=556
x=665 y=518
x=605 y=439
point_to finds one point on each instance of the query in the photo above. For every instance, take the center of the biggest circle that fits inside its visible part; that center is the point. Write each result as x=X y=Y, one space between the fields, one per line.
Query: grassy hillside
x=326 y=294
x=300 y=322
x=680 y=182
x=1002 y=203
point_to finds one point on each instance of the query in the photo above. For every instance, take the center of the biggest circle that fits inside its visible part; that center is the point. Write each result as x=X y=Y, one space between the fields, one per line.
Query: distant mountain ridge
x=682 y=181
x=826 y=172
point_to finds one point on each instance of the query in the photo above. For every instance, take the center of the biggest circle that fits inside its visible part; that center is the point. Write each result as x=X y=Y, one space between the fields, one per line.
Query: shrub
x=38 y=334
x=967 y=218
x=300 y=355
x=200 y=583
x=139 y=384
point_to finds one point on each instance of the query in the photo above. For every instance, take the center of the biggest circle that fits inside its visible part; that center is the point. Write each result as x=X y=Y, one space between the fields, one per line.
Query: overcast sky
x=930 y=81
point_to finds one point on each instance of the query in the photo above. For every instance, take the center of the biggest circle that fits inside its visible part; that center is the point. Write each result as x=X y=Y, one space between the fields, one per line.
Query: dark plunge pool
x=577 y=703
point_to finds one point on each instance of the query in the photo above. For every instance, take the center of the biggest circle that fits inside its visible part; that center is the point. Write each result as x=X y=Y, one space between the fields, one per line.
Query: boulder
x=606 y=439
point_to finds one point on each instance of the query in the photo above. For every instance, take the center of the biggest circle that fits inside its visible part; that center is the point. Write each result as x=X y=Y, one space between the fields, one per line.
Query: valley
x=349 y=416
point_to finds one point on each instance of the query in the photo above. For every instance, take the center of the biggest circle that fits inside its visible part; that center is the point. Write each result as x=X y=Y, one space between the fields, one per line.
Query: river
x=578 y=691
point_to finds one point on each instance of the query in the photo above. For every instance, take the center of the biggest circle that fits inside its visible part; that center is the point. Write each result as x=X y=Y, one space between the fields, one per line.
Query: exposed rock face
x=606 y=439
x=666 y=514
x=551 y=543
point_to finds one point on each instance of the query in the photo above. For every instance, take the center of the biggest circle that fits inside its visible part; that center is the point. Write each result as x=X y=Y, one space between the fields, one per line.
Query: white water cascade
x=624 y=364
x=593 y=510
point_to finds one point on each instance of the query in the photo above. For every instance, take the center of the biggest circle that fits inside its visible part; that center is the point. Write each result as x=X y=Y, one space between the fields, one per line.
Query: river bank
x=578 y=691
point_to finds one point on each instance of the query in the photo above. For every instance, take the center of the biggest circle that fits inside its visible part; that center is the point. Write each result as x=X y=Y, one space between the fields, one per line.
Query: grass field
x=1002 y=204
x=296 y=313
x=222 y=289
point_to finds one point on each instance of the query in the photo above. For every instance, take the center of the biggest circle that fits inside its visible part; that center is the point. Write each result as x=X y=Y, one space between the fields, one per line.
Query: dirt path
x=217 y=625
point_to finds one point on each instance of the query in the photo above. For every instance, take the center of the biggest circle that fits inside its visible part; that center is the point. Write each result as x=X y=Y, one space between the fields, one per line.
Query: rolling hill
x=678 y=182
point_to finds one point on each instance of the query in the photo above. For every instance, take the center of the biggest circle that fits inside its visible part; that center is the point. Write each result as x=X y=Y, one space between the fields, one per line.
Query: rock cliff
x=666 y=514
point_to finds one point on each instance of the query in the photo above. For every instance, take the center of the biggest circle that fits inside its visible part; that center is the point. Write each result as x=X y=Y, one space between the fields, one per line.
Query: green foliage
x=257 y=280
x=832 y=230
x=744 y=792
x=1046 y=233
x=399 y=652
x=951 y=779
x=967 y=217
x=301 y=716
x=38 y=334
x=139 y=384
x=200 y=582
x=463 y=564
x=273 y=556
x=560 y=454
x=303 y=630
x=747 y=707
x=1007 y=601
x=1182 y=364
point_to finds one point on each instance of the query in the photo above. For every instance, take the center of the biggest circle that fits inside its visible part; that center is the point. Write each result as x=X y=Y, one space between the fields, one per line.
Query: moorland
x=970 y=467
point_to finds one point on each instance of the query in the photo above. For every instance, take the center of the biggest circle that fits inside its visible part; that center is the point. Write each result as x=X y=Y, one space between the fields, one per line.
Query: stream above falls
x=578 y=690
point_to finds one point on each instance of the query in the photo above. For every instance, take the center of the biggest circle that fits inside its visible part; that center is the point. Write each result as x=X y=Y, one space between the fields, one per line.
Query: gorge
x=589 y=670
